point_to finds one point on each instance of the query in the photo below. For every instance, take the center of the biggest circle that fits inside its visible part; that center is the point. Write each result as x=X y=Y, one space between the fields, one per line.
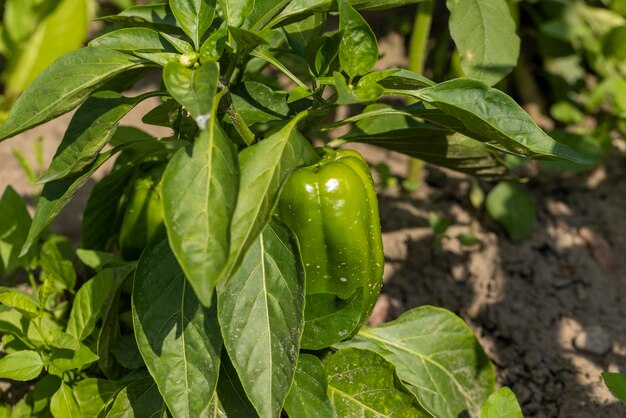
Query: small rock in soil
x=594 y=340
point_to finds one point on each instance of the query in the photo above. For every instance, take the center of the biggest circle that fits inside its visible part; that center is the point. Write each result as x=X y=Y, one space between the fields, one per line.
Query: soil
x=526 y=302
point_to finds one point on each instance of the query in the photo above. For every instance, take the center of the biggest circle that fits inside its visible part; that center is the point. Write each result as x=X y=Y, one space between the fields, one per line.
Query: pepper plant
x=249 y=259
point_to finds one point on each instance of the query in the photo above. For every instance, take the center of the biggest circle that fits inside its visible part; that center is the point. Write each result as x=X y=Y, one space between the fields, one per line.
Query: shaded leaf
x=92 y=395
x=308 y=396
x=139 y=399
x=513 y=207
x=178 y=338
x=63 y=404
x=156 y=16
x=14 y=225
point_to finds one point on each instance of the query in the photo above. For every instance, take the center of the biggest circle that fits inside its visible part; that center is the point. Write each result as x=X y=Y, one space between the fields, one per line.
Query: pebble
x=594 y=340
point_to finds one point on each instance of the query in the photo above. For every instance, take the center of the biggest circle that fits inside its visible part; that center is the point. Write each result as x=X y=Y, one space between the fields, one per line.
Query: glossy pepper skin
x=143 y=217
x=332 y=209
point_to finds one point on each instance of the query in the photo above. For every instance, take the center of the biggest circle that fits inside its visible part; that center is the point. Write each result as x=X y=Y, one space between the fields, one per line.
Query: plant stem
x=417 y=60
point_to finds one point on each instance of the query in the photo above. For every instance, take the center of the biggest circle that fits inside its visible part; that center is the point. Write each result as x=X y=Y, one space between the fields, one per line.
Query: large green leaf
x=14 y=225
x=90 y=129
x=63 y=360
x=437 y=356
x=358 y=51
x=64 y=85
x=178 y=338
x=94 y=299
x=194 y=16
x=200 y=187
x=194 y=89
x=301 y=8
x=261 y=313
x=490 y=116
x=56 y=267
x=362 y=383
x=140 y=399
x=21 y=365
x=56 y=195
x=230 y=400
x=484 y=33
x=402 y=133
x=265 y=167
x=501 y=404
x=258 y=103
x=308 y=396
x=51 y=37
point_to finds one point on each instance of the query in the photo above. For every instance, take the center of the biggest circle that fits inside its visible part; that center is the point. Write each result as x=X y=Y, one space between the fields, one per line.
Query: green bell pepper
x=332 y=209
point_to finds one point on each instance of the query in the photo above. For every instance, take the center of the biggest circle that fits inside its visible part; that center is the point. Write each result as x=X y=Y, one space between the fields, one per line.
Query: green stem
x=240 y=125
x=417 y=61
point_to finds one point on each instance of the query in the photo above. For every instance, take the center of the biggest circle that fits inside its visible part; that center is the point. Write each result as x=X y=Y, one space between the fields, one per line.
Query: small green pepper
x=332 y=209
x=143 y=217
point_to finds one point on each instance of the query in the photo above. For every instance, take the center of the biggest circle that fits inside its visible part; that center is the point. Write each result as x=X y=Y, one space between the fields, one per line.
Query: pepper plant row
x=233 y=265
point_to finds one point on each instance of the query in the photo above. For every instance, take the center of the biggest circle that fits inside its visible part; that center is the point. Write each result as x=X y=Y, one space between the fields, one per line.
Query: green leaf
x=362 y=383
x=56 y=267
x=584 y=145
x=92 y=395
x=200 y=187
x=501 y=404
x=330 y=319
x=236 y=11
x=83 y=71
x=401 y=79
x=303 y=33
x=139 y=399
x=178 y=338
x=15 y=298
x=261 y=314
x=490 y=116
x=64 y=341
x=439 y=224
x=109 y=335
x=133 y=39
x=194 y=89
x=14 y=225
x=258 y=103
x=392 y=129
x=308 y=396
x=160 y=58
x=127 y=352
x=264 y=168
x=56 y=195
x=358 y=51
x=21 y=365
x=348 y=94
x=156 y=16
x=94 y=299
x=245 y=40
x=42 y=393
x=90 y=129
x=230 y=398
x=437 y=356
x=63 y=403
x=616 y=382
x=194 y=16
x=63 y=359
x=513 y=207
x=102 y=216
x=213 y=48
x=301 y=8
x=484 y=33
x=51 y=37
